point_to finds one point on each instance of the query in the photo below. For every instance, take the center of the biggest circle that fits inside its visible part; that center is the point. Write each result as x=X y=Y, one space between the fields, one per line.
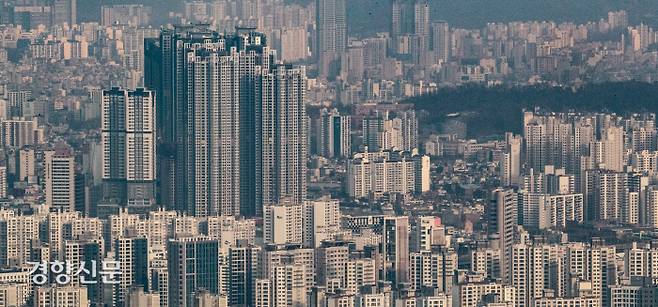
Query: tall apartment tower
x=192 y=265
x=607 y=195
x=64 y=11
x=59 y=172
x=441 y=40
x=385 y=131
x=395 y=249
x=334 y=134
x=128 y=140
x=502 y=218
x=133 y=255
x=510 y=163
x=3 y=182
x=281 y=138
x=534 y=135
x=410 y=28
x=234 y=123
x=402 y=21
x=422 y=18
x=244 y=264
x=331 y=30
x=213 y=129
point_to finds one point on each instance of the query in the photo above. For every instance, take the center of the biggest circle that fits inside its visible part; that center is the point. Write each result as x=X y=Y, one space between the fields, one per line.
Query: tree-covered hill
x=495 y=110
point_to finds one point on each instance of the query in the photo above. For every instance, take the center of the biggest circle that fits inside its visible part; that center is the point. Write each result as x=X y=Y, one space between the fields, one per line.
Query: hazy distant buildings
x=126 y=14
x=65 y=12
x=390 y=131
x=292 y=44
x=331 y=38
x=410 y=29
x=441 y=41
x=402 y=18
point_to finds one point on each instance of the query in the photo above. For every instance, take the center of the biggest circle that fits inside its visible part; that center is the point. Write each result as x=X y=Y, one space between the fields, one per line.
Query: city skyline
x=270 y=153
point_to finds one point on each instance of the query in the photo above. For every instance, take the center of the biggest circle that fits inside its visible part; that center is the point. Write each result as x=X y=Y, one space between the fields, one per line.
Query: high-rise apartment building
x=321 y=220
x=330 y=264
x=391 y=131
x=282 y=255
x=331 y=27
x=501 y=215
x=433 y=269
x=67 y=296
x=213 y=130
x=26 y=165
x=473 y=294
x=233 y=122
x=20 y=132
x=281 y=138
x=65 y=11
x=3 y=182
x=395 y=249
x=379 y=173
x=244 y=265
x=59 y=170
x=510 y=161
x=128 y=140
x=607 y=195
x=83 y=253
x=282 y=223
x=132 y=253
x=192 y=264
x=334 y=134
x=441 y=40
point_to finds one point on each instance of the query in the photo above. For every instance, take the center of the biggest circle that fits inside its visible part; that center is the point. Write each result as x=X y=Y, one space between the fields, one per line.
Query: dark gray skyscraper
x=331 y=32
